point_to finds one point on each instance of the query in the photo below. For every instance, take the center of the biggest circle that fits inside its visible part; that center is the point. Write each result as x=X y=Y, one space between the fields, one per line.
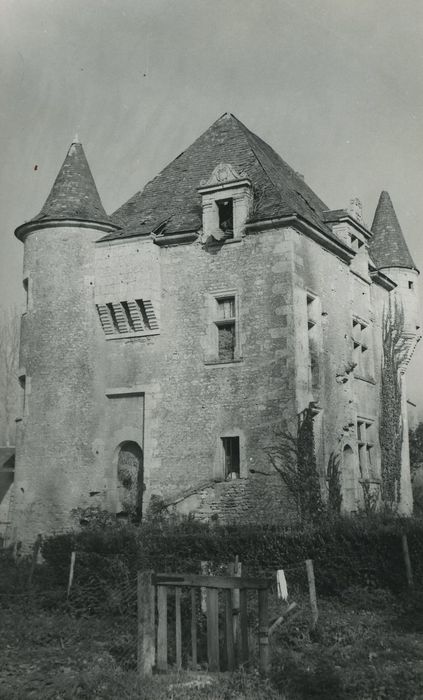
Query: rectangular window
x=226 y=216
x=313 y=340
x=26 y=289
x=356 y=242
x=231 y=457
x=365 y=447
x=361 y=353
x=226 y=328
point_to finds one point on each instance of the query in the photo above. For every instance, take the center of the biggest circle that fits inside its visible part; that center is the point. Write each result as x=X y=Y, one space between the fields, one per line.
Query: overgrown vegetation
x=391 y=427
x=294 y=459
x=346 y=551
x=333 y=475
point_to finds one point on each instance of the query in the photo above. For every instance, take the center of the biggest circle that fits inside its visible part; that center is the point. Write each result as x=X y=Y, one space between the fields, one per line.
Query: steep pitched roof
x=172 y=196
x=387 y=245
x=74 y=194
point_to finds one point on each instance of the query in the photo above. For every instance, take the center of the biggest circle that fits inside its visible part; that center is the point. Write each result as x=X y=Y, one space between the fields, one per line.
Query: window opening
x=226 y=328
x=231 y=457
x=356 y=242
x=26 y=288
x=360 y=346
x=312 y=316
x=226 y=215
x=365 y=447
x=410 y=284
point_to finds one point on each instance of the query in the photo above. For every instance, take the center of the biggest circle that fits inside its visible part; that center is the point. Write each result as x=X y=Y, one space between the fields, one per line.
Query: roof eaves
x=320 y=235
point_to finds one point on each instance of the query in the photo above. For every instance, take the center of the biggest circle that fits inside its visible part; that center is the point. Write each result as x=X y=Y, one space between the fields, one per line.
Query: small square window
x=231 y=457
x=410 y=284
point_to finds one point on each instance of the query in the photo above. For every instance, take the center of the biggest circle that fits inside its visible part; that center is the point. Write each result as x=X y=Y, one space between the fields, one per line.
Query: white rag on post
x=282 y=587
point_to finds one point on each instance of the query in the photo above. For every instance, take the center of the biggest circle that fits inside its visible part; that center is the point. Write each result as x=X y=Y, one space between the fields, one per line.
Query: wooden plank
x=146 y=624
x=243 y=627
x=178 y=628
x=263 y=620
x=231 y=582
x=229 y=631
x=162 y=628
x=193 y=629
x=213 y=628
x=312 y=592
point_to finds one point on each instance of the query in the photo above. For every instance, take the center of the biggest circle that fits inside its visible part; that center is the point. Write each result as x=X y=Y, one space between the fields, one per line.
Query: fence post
x=263 y=614
x=146 y=624
x=406 y=553
x=312 y=592
x=71 y=570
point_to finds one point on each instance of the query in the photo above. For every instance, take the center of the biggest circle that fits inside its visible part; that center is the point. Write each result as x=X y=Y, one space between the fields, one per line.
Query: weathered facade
x=163 y=346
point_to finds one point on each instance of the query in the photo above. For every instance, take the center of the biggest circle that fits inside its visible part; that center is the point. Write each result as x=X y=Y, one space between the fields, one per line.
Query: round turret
x=58 y=343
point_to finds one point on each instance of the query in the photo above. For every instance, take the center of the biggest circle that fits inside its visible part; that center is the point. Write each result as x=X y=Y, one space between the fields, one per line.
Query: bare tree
x=9 y=386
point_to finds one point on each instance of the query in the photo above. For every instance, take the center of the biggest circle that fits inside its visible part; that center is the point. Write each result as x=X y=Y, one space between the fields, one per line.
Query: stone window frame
x=27 y=286
x=220 y=462
x=212 y=348
x=25 y=384
x=361 y=334
x=314 y=337
x=366 y=447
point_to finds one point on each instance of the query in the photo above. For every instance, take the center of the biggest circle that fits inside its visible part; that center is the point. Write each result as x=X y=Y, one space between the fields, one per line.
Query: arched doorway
x=348 y=480
x=130 y=478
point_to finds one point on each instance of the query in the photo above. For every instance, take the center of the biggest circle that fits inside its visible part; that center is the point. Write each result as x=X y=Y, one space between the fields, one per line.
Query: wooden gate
x=153 y=592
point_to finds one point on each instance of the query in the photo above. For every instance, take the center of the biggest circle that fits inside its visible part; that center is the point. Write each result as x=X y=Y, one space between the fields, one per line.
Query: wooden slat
x=146 y=624
x=178 y=628
x=243 y=627
x=263 y=615
x=193 y=629
x=229 y=636
x=162 y=628
x=213 y=629
x=211 y=581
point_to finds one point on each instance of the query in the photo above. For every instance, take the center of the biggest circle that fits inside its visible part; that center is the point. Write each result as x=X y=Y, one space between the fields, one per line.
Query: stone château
x=164 y=346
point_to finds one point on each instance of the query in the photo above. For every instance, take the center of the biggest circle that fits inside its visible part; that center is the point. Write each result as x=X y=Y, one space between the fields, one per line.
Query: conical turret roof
x=74 y=194
x=387 y=245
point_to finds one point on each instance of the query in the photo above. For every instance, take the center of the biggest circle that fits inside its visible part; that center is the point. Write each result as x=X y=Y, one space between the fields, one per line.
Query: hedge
x=346 y=552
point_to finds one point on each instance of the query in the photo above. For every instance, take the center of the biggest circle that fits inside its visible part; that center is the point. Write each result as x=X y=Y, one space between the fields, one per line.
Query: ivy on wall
x=294 y=459
x=391 y=426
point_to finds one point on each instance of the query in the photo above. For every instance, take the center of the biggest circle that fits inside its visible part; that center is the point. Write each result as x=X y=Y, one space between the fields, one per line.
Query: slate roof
x=74 y=194
x=7 y=458
x=387 y=246
x=172 y=196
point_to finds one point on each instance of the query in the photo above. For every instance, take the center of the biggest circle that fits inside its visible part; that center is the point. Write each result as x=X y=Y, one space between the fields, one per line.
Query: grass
x=368 y=646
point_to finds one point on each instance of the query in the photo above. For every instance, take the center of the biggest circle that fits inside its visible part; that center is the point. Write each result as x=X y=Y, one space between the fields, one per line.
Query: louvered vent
x=136 y=316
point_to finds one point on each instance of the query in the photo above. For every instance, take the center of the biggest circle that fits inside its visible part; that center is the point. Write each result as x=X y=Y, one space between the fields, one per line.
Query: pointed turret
x=74 y=195
x=387 y=246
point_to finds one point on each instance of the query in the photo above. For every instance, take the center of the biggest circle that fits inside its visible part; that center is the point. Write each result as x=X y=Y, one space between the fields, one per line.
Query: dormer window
x=226 y=201
x=226 y=216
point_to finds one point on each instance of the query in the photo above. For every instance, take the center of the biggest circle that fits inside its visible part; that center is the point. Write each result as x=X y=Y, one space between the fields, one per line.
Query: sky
x=335 y=86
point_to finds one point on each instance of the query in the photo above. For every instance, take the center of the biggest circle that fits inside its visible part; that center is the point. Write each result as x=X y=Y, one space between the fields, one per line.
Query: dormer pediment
x=226 y=201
